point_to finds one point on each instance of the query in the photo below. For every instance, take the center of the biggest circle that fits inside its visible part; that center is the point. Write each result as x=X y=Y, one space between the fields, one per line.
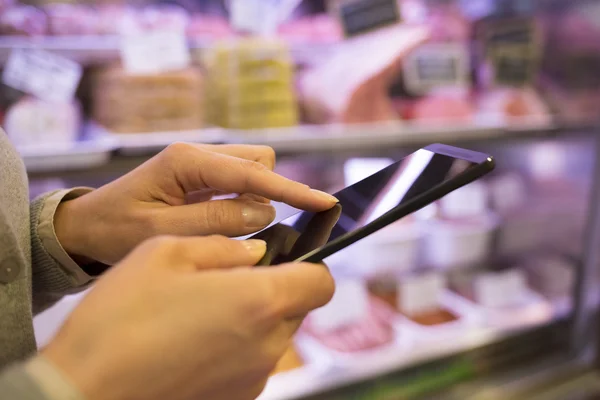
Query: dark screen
x=359 y=205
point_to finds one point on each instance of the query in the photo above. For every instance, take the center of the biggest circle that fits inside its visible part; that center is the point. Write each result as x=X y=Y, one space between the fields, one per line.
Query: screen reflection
x=359 y=205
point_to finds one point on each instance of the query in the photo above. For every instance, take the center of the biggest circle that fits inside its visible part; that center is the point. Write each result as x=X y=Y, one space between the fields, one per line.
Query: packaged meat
x=417 y=296
x=352 y=87
x=375 y=329
x=115 y=19
x=208 y=27
x=442 y=107
x=515 y=105
x=23 y=20
x=462 y=234
x=291 y=360
x=71 y=19
x=311 y=29
x=251 y=84
x=32 y=122
x=126 y=103
x=163 y=17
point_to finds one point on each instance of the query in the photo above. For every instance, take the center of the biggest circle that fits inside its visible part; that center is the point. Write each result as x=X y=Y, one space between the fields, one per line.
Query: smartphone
x=396 y=191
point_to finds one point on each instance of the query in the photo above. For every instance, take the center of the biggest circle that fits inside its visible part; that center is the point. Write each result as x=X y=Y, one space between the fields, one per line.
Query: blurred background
x=490 y=293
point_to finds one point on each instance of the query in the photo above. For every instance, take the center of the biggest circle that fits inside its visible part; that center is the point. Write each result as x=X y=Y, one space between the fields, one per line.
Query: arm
x=54 y=272
x=36 y=379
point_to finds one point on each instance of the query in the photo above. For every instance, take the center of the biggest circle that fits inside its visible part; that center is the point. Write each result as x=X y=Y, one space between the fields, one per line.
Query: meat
x=373 y=331
x=317 y=29
x=208 y=27
x=352 y=87
x=23 y=20
x=32 y=121
x=71 y=19
x=514 y=104
x=450 y=107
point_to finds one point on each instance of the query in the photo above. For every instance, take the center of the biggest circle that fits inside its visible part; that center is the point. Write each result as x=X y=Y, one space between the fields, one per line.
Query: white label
x=433 y=66
x=255 y=16
x=349 y=304
x=154 y=52
x=502 y=289
x=421 y=294
x=42 y=74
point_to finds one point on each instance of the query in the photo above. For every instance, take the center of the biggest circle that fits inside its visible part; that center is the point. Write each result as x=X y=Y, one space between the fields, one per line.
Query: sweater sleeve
x=36 y=379
x=54 y=273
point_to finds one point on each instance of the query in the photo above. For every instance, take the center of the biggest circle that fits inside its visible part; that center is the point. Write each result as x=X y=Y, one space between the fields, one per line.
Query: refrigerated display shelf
x=83 y=155
x=306 y=382
x=93 y=50
x=294 y=140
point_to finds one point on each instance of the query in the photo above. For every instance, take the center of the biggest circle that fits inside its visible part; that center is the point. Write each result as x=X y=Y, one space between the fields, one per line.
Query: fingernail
x=256 y=246
x=325 y=196
x=258 y=215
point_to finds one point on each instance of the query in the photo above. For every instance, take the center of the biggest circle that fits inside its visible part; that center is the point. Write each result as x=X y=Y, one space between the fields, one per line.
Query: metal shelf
x=106 y=147
x=303 y=383
x=92 y=50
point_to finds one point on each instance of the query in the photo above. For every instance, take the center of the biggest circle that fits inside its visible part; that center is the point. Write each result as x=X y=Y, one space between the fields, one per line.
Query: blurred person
x=180 y=315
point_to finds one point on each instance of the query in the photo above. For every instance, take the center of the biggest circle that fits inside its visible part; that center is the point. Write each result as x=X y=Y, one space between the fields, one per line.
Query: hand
x=158 y=198
x=180 y=319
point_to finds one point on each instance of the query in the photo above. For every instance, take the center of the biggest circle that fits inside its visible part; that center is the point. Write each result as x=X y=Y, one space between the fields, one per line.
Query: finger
x=280 y=241
x=197 y=169
x=264 y=155
x=298 y=288
x=195 y=253
x=253 y=197
x=223 y=217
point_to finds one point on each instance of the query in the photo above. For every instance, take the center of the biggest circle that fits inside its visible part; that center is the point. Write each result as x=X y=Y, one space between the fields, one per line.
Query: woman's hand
x=182 y=318
x=168 y=195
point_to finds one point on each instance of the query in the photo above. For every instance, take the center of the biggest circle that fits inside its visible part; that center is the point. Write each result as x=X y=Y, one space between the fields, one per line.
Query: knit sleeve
x=54 y=273
x=36 y=379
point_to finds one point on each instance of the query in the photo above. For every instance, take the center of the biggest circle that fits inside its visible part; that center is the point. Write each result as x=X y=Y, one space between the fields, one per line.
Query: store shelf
x=294 y=140
x=328 y=138
x=301 y=383
x=133 y=144
x=87 y=154
x=90 y=50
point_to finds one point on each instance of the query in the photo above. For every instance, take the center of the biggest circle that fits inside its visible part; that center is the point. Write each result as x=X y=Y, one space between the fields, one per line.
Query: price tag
x=361 y=16
x=514 y=65
x=42 y=74
x=349 y=304
x=420 y=294
x=154 y=51
x=434 y=66
x=513 y=47
x=501 y=289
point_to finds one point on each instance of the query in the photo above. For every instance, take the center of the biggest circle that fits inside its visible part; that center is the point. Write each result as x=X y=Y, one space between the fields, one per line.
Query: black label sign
x=514 y=66
x=436 y=65
x=514 y=31
x=360 y=16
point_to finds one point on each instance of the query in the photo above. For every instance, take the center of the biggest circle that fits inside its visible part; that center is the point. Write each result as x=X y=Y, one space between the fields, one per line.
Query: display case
x=492 y=292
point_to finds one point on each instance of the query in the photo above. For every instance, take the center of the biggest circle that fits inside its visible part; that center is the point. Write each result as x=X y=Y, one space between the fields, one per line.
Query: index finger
x=298 y=288
x=205 y=169
x=264 y=155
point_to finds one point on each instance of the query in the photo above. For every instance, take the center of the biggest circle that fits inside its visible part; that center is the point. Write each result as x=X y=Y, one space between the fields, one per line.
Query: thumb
x=196 y=253
x=232 y=217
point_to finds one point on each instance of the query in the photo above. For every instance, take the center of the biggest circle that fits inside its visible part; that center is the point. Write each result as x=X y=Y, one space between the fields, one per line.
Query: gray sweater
x=35 y=272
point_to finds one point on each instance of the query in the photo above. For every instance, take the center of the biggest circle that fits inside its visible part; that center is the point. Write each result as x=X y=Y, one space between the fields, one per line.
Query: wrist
x=70 y=227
